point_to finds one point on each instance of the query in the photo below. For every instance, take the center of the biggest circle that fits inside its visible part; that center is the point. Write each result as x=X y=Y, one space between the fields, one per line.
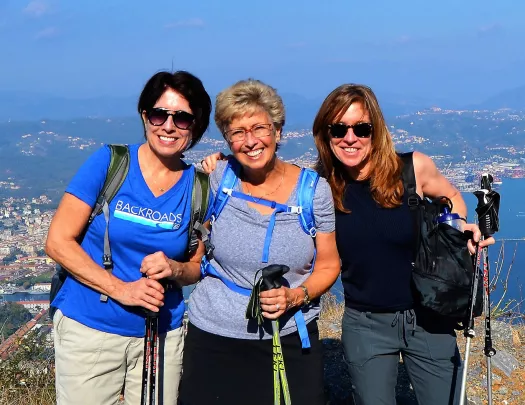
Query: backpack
x=117 y=172
x=442 y=270
x=307 y=184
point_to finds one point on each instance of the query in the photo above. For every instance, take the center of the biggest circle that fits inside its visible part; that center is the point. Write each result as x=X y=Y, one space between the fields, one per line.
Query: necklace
x=257 y=199
x=163 y=189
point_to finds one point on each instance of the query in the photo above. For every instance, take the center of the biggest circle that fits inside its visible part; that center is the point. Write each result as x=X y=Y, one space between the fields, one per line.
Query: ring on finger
x=277 y=307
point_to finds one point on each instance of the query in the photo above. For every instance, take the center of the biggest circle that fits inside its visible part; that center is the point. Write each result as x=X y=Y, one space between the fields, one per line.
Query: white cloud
x=49 y=32
x=36 y=8
x=490 y=29
x=403 y=39
x=190 y=23
x=296 y=45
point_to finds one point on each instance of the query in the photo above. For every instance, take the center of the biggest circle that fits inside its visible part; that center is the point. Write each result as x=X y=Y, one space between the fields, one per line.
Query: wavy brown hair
x=386 y=185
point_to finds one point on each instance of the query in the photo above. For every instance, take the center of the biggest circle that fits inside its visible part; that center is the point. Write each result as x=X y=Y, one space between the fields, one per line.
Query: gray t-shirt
x=238 y=236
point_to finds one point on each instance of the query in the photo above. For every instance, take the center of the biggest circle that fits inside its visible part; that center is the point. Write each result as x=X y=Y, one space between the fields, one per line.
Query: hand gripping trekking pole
x=149 y=370
x=487 y=210
x=271 y=278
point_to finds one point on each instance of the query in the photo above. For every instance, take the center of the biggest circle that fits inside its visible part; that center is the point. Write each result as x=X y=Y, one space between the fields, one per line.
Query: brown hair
x=386 y=185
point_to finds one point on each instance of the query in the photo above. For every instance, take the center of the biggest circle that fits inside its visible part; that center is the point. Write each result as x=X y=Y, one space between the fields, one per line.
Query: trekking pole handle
x=488 y=206
x=272 y=275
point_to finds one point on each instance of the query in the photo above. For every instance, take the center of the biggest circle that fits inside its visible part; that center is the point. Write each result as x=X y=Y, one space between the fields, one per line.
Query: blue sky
x=465 y=50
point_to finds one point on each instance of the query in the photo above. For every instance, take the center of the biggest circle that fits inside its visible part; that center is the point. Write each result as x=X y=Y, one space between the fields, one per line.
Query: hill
x=511 y=98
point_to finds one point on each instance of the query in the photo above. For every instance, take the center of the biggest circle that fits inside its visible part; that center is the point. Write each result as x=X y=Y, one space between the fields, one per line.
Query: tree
x=12 y=316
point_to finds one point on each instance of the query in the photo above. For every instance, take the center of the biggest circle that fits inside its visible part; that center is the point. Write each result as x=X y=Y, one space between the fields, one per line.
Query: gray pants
x=372 y=343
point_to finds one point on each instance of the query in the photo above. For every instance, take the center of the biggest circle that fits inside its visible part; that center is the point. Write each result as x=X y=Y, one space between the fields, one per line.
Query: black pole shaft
x=145 y=363
x=153 y=359
x=489 y=349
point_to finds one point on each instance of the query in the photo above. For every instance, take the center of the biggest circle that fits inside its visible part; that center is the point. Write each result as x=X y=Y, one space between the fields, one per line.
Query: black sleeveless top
x=376 y=249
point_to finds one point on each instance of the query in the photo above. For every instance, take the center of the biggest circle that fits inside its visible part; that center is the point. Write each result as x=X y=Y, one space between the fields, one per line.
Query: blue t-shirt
x=140 y=224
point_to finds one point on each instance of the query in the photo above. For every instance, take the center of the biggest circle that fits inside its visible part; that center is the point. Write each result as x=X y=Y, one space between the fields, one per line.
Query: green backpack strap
x=117 y=172
x=199 y=206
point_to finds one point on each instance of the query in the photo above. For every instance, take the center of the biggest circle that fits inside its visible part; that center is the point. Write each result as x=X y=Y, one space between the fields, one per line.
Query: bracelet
x=306 y=296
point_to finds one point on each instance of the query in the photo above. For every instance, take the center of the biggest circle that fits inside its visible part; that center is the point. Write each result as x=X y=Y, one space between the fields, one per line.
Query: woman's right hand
x=144 y=292
x=209 y=163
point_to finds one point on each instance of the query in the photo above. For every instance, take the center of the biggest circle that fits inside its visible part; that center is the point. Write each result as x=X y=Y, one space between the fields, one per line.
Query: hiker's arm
x=327 y=263
x=209 y=163
x=326 y=270
x=157 y=266
x=62 y=246
x=431 y=183
x=324 y=275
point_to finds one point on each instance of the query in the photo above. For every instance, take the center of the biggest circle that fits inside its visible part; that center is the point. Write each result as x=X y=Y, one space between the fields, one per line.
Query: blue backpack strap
x=308 y=180
x=301 y=329
x=226 y=186
x=207 y=269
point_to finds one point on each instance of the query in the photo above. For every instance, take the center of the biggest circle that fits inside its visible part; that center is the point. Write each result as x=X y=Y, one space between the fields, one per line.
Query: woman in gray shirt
x=228 y=358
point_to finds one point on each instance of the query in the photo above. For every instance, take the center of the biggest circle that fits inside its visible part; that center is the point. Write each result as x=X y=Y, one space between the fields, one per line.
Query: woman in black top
x=374 y=234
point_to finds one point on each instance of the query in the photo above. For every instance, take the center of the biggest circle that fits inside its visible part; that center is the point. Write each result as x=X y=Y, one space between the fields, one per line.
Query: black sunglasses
x=361 y=130
x=181 y=119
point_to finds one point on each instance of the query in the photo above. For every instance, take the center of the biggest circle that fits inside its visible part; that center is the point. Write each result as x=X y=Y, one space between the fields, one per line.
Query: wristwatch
x=306 y=296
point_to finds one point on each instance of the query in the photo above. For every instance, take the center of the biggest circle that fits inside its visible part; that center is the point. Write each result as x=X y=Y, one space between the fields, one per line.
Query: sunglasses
x=361 y=130
x=181 y=119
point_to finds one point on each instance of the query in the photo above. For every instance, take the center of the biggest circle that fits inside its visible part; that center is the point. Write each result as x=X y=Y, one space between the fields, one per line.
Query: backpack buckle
x=413 y=201
x=295 y=209
x=208 y=249
x=228 y=191
x=313 y=232
x=107 y=261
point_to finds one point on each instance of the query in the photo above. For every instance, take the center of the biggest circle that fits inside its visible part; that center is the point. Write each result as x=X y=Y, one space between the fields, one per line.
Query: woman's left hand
x=475 y=239
x=276 y=302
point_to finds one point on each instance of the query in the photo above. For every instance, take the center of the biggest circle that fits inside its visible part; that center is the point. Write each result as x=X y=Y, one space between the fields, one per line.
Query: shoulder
x=97 y=162
x=216 y=175
x=102 y=153
x=323 y=189
x=422 y=162
x=323 y=206
x=89 y=179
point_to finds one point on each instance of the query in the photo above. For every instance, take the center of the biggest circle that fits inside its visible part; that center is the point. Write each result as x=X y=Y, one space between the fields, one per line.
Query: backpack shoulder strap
x=200 y=195
x=308 y=180
x=117 y=172
x=413 y=199
x=226 y=186
x=409 y=179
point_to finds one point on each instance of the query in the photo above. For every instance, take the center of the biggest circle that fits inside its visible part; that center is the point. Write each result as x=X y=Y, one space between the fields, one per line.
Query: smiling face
x=254 y=153
x=352 y=151
x=167 y=140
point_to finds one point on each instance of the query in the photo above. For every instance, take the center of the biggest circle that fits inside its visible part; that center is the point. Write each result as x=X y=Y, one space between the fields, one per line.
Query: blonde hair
x=386 y=185
x=248 y=97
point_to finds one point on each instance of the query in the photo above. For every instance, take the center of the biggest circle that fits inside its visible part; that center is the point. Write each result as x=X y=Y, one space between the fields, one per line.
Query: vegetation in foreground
x=27 y=377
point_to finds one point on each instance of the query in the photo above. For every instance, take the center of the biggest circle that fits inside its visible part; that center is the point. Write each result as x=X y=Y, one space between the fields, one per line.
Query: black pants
x=220 y=370
x=372 y=344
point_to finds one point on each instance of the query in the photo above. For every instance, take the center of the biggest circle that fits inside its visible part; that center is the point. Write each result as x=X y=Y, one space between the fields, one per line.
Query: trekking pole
x=487 y=211
x=469 y=325
x=271 y=277
x=149 y=368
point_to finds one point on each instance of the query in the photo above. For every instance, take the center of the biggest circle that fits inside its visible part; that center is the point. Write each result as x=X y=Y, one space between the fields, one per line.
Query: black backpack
x=117 y=172
x=443 y=271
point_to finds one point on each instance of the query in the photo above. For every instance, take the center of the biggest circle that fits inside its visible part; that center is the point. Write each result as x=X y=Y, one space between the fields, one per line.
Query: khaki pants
x=92 y=367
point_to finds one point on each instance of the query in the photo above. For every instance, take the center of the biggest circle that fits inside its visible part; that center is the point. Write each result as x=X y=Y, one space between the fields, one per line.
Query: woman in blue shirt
x=99 y=345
